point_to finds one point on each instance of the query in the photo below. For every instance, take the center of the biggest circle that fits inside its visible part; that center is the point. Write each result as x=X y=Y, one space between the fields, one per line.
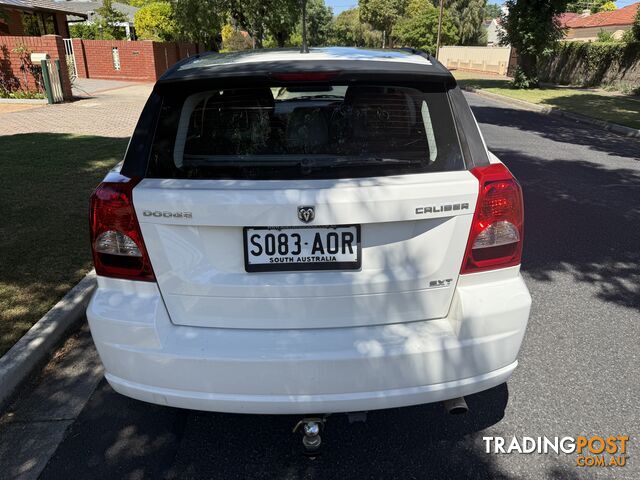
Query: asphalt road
x=579 y=369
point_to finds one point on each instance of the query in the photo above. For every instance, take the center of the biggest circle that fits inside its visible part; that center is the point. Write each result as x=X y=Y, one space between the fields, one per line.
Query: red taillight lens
x=116 y=240
x=304 y=76
x=496 y=234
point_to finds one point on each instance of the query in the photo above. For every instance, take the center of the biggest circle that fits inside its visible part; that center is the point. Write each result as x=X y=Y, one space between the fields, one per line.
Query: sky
x=341 y=5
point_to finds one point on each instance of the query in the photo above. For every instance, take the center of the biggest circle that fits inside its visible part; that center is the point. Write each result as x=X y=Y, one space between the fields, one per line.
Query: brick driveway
x=111 y=113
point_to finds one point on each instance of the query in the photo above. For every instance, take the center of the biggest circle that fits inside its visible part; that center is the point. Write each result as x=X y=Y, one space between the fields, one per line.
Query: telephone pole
x=305 y=47
x=439 y=27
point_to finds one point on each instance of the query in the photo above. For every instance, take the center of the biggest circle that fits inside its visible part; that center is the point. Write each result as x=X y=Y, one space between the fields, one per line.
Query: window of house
x=38 y=23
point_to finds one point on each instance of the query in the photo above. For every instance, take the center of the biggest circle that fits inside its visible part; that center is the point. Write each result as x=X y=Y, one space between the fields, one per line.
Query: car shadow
x=124 y=438
x=560 y=130
x=581 y=218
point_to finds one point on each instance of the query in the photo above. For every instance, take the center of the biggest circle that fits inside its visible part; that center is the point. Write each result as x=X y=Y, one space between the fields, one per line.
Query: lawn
x=44 y=249
x=620 y=109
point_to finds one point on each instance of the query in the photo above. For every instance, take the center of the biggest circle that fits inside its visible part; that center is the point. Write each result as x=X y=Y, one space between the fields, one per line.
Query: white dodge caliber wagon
x=307 y=233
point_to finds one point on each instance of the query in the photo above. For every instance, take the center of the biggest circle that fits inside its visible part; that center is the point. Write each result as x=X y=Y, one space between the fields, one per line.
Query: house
x=90 y=7
x=493 y=29
x=36 y=17
x=585 y=27
x=563 y=18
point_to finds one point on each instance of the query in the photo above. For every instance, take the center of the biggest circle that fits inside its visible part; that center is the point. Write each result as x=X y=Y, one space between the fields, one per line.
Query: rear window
x=299 y=132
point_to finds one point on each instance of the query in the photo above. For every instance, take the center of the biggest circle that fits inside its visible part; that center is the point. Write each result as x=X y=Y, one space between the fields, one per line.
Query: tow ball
x=311 y=428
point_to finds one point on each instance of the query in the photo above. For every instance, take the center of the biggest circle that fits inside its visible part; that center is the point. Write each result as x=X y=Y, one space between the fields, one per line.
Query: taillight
x=304 y=76
x=495 y=240
x=116 y=240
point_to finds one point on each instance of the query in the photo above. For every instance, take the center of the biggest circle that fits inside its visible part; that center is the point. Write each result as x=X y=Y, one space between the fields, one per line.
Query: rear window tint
x=296 y=132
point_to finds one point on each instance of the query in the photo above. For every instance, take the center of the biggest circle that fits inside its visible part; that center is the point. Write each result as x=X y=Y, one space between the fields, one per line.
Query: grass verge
x=44 y=250
x=620 y=109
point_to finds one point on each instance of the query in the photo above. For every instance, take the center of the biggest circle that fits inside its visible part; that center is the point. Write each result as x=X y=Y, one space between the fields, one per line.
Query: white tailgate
x=409 y=261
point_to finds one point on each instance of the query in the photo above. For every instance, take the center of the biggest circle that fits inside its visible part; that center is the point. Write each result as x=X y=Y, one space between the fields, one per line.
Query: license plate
x=269 y=249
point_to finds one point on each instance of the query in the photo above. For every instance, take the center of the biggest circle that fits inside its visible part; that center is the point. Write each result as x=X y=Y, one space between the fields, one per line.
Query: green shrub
x=627 y=36
x=233 y=40
x=636 y=26
x=606 y=37
x=522 y=80
x=20 y=94
x=155 y=21
x=86 y=31
x=591 y=64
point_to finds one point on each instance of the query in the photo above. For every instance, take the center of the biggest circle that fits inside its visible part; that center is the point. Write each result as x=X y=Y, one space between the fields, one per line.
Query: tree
x=419 y=27
x=260 y=18
x=382 y=15
x=594 y=6
x=636 y=26
x=608 y=7
x=491 y=11
x=348 y=30
x=109 y=19
x=86 y=31
x=532 y=29
x=468 y=16
x=319 y=22
x=233 y=39
x=280 y=18
x=199 y=21
x=155 y=21
x=137 y=3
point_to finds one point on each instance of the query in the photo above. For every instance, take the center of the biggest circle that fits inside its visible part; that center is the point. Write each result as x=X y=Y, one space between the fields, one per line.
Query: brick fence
x=16 y=75
x=143 y=61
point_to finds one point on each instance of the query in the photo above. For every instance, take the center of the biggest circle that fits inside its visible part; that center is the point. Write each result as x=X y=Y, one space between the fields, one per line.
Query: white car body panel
x=199 y=261
x=310 y=370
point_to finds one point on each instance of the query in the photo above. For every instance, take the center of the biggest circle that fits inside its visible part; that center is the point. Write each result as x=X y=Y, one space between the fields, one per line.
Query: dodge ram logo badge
x=306 y=214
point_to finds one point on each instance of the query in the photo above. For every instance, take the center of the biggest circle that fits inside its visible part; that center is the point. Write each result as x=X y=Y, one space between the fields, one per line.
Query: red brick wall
x=94 y=59
x=165 y=54
x=81 y=61
x=10 y=60
x=139 y=60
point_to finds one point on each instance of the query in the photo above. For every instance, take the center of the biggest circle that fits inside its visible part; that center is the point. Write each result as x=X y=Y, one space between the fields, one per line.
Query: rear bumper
x=310 y=370
x=303 y=404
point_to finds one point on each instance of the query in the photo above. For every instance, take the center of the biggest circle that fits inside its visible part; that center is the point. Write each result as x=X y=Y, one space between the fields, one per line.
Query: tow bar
x=312 y=426
x=311 y=439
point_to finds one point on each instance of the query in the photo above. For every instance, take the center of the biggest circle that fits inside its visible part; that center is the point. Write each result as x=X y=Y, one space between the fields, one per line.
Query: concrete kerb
x=36 y=345
x=23 y=101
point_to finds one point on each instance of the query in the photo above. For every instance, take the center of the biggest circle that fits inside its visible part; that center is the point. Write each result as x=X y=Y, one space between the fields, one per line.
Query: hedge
x=592 y=64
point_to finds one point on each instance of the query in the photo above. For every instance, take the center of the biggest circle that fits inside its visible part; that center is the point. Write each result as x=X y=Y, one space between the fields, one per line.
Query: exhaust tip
x=456 y=406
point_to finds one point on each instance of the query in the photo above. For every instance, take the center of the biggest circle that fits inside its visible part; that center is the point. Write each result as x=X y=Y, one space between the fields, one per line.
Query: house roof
x=43 y=6
x=564 y=18
x=622 y=16
x=89 y=7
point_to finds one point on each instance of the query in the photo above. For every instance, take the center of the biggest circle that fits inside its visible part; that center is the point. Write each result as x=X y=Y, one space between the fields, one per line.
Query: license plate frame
x=302 y=266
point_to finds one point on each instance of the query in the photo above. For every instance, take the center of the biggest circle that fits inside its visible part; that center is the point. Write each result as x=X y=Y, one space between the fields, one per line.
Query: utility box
x=36 y=58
